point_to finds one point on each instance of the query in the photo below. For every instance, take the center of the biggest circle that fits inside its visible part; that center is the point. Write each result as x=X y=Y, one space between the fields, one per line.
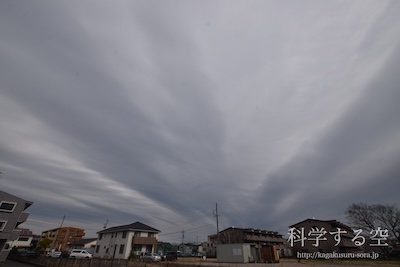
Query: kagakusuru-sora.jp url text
x=337 y=255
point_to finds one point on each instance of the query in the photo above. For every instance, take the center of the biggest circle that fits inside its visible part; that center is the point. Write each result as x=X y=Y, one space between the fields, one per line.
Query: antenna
x=105 y=225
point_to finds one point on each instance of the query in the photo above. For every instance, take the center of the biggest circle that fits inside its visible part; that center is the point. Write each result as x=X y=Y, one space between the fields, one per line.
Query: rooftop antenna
x=105 y=225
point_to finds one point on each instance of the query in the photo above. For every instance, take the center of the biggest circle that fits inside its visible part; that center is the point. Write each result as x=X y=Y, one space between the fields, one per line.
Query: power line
x=187 y=231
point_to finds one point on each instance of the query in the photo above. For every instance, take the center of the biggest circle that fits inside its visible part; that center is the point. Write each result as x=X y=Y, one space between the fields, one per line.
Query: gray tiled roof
x=83 y=241
x=137 y=226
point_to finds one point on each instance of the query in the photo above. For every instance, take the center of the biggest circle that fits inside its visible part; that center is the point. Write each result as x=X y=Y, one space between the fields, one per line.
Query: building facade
x=121 y=242
x=26 y=239
x=329 y=233
x=62 y=237
x=12 y=214
x=233 y=235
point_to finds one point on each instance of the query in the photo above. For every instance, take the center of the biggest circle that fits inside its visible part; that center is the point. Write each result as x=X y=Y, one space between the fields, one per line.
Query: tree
x=369 y=217
x=44 y=243
x=389 y=216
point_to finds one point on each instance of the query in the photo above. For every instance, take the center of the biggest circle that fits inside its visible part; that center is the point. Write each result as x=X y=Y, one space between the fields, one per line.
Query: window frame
x=4 y=225
x=121 y=249
x=8 y=202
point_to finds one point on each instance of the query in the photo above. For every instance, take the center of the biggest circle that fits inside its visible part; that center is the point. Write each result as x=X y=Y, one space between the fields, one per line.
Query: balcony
x=261 y=238
x=23 y=217
x=144 y=240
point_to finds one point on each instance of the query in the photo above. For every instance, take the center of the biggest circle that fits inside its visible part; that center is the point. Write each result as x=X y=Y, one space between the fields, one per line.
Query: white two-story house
x=121 y=241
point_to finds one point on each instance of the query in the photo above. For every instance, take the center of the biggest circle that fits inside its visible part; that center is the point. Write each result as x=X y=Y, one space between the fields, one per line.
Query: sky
x=113 y=112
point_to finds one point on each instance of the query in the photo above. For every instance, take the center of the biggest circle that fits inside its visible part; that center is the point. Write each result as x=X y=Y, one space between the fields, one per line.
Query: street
x=9 y=263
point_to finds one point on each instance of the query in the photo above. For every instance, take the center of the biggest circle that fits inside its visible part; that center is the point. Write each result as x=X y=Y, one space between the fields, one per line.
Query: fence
x=95 y=262
x=98 y=262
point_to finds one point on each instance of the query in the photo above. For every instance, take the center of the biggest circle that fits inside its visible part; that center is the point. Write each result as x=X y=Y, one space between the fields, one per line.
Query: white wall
x=111 y=242
x=18 y=243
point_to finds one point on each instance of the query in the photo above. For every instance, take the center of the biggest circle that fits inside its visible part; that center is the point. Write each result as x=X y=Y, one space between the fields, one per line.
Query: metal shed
x=236 y=253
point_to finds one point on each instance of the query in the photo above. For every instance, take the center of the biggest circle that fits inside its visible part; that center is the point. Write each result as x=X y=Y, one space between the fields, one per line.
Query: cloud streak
x=156 y=111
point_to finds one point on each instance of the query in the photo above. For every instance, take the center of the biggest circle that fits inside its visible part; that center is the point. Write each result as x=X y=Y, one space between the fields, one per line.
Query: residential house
x=61 y=237
x=313 y=235
x=187 y=249
x=26 y=239
x=12 y=214
x=88 y=244
x=121 y=241
x=164 y=247
x=234 y=235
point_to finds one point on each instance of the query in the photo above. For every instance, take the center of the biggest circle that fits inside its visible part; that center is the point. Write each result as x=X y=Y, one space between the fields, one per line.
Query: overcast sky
x=154 y=111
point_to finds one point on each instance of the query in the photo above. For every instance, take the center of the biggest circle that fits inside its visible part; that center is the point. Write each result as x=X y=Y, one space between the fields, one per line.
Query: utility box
x=236 y=253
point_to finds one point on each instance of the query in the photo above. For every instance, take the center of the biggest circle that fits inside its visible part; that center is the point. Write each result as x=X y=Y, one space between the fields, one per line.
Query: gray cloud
x=156 y=111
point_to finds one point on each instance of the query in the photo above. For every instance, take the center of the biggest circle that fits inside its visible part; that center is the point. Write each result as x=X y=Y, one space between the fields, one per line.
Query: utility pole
x=59 y=230
x=62 y=222
x=216 y=215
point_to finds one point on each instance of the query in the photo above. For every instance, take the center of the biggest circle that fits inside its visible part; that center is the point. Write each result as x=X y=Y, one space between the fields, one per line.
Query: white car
x=151 y=257
x=80 y=253
x=55 y=254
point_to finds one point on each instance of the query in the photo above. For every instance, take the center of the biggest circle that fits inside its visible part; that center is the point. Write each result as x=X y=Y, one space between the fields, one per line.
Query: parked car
x=30 y=254
x=55 y=254
x=171 y=256
x=151 y=257
x=163 y=257
x=80 y=253
x=65 y=254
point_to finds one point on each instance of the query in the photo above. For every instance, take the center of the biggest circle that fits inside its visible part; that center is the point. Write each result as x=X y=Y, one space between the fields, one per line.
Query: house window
x=7 y=206
x=121 y=249
x=97 y=248
x=151 y=234
x=124 y=234
x=137 y=233
x=2 y=225
x=100 y=236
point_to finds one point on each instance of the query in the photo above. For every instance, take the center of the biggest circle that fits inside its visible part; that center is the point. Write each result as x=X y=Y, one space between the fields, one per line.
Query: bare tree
x=369 y=217
x=389 y=216
x=361 y=216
